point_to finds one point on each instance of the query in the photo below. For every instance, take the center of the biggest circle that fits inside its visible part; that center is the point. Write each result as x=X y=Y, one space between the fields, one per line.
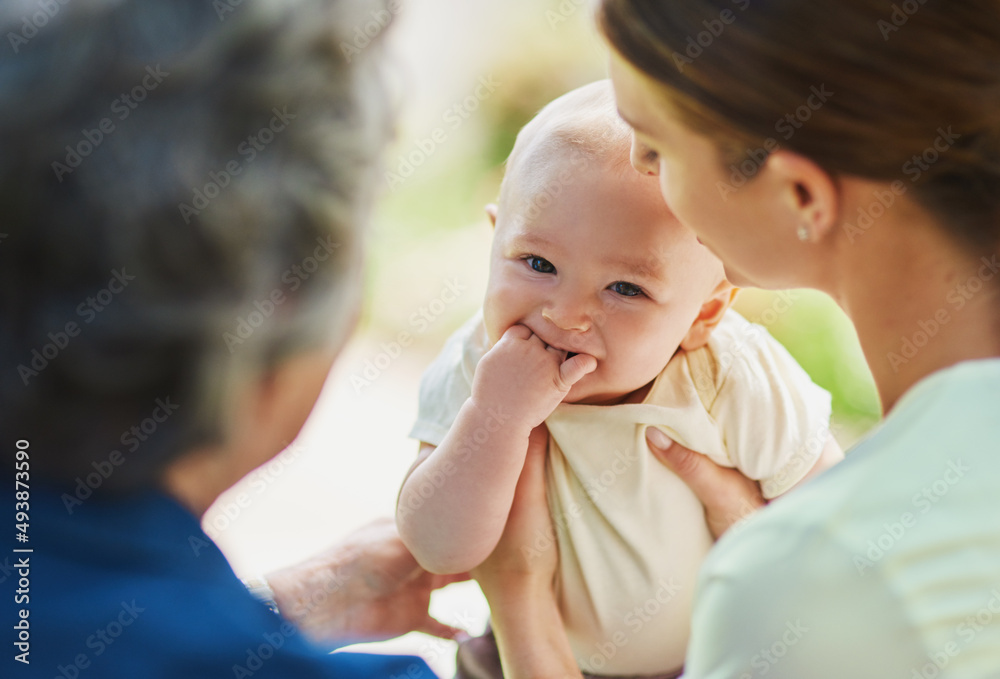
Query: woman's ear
x=491 y=212
x=709 y=316
x=810 y=192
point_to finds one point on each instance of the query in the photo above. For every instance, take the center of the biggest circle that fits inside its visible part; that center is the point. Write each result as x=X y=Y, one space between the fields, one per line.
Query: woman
x=852 y=147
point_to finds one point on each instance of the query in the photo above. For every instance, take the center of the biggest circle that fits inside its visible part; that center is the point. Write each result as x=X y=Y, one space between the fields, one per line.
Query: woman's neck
x=919 y=302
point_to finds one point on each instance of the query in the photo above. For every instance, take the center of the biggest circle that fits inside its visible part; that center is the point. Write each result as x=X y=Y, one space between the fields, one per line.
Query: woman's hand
x=527 y=549
x=728 y=496
x=366 y=588
x=517 y=579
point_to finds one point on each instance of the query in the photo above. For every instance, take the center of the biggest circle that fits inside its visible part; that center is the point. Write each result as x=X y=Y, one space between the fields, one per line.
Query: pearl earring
x=803 y=232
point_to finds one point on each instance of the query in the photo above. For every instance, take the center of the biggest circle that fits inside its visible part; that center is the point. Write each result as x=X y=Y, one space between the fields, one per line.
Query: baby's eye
x=540 y=265
x=626 y=289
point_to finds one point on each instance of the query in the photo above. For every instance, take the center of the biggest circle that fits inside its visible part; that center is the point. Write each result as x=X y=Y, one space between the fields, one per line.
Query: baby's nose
x=567 y=318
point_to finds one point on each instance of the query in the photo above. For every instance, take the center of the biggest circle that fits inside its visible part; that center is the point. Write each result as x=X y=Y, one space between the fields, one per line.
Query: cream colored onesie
x=631 y=535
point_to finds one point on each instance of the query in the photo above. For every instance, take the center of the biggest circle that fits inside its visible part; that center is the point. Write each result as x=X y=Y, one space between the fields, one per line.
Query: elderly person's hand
x=366 y=588
x=727 y=495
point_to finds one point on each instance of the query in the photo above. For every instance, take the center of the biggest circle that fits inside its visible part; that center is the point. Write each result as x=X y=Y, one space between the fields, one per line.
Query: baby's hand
x=526 y=377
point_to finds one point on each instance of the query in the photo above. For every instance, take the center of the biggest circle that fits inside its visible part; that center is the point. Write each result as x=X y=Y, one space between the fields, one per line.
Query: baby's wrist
x=493 y=416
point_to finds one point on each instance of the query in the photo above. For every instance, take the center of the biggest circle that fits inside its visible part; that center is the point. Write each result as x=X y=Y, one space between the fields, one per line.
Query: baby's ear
x=709 y=316
x=491 y=212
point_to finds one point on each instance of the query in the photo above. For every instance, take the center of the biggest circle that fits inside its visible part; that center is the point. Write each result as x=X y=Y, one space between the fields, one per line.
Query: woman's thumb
x=678 y=459
x=728 y=496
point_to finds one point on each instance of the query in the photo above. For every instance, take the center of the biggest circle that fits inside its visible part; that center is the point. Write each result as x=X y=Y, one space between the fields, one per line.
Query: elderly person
x=183 y=188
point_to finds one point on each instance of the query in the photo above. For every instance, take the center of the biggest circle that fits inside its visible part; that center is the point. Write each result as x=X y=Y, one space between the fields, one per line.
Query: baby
x=603 y=316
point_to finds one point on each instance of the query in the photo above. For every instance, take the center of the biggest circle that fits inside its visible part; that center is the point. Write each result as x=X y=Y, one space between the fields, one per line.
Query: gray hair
x=184 y=186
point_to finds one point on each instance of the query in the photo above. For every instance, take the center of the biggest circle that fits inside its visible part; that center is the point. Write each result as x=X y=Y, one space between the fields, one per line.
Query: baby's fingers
x=573 y=369
x=520 y=332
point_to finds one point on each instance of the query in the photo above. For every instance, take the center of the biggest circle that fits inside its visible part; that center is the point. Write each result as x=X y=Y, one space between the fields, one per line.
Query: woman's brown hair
x=910 y=89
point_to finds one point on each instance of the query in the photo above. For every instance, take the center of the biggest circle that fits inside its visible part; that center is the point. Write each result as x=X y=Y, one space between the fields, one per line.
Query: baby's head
x=587 y=255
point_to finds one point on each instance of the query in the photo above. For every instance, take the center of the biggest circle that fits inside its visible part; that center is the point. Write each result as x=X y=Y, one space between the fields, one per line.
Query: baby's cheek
x=496 y=322
x=635 y=368
x=609 y=374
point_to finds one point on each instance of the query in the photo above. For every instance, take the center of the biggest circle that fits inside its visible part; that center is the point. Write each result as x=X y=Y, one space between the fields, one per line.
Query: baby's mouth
x=566 y=353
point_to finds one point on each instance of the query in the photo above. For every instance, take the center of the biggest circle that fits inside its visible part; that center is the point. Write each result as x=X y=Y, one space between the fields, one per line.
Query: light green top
x=888 y=565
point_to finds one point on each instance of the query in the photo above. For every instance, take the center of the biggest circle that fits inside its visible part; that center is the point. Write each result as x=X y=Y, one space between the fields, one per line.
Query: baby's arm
x=454 y=503
x=831 y=455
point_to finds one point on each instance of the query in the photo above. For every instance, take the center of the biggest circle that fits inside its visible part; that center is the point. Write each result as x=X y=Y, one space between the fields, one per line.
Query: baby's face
x=599 y=267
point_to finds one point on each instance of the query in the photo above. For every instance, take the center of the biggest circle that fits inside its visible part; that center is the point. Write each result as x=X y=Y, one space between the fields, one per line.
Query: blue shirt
x=134 y=588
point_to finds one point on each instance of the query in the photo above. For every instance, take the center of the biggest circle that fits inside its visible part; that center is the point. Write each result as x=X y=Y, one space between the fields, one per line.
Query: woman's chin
x=738 y=279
